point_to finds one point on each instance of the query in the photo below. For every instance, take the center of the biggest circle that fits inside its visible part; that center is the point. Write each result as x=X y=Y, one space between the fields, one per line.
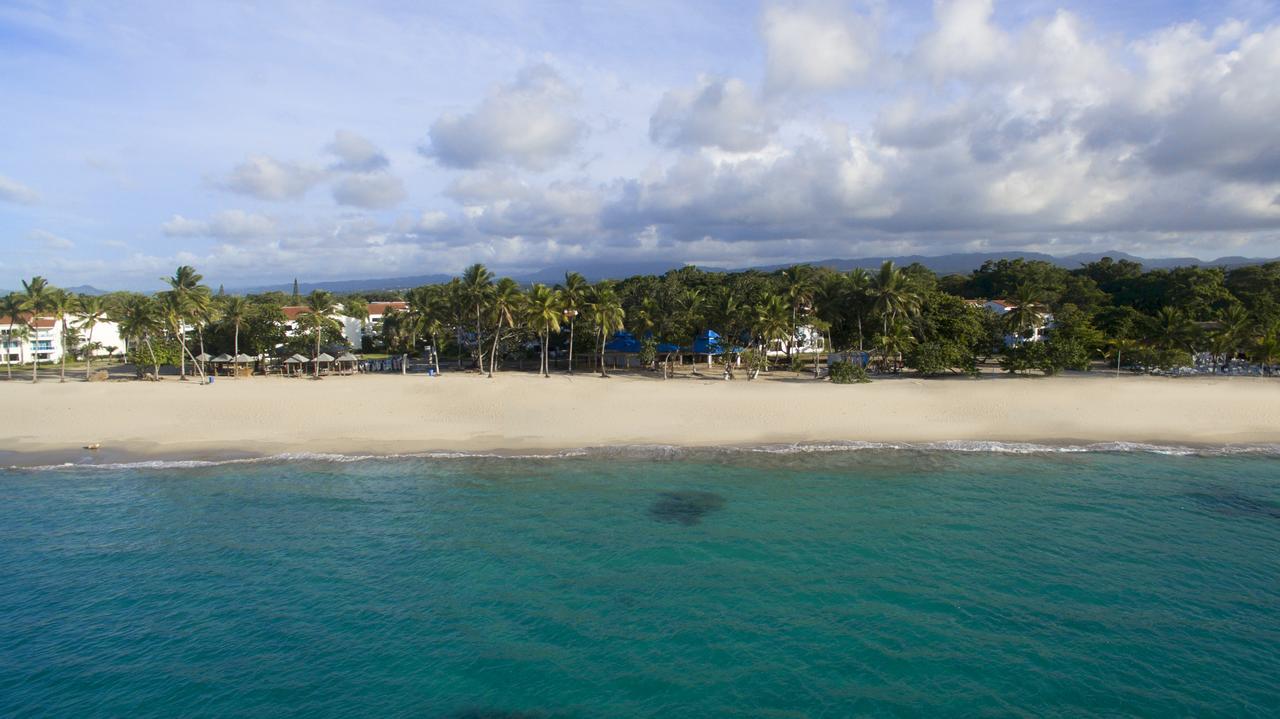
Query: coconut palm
x=801 y=285
x=357 y=308
x=236 y=310
x=318 y=316
x=139 y=318
x=772 y=322
x=37 y=296
x=477 y=288
x=857 y=292
x=92 y=313
x=1027 y=310
x=572 y=294
x=506 y=299
x=892 y=295
x=11 y=307
x=544 y=312
x=606 y=313
x=61 y=305
x=186 y=299
x=1172 y=329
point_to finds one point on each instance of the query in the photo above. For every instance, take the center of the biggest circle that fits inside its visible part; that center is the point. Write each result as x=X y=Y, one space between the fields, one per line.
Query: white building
x=1000 y=308
x=807 y=340
x=352 y=328
x=43 y=341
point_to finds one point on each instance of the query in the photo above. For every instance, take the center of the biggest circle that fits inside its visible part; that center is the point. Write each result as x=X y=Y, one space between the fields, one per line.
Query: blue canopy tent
x=623 y=342
x=708 y=343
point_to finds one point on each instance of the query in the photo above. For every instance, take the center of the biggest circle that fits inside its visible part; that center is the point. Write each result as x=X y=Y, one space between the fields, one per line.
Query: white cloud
x=816 y=45
x=965 y=42
x=227 y=225
x=269 y=179
x=50 y=241
x=355 y=153
x=370 y=190
x=526 y=123
x=715 y=112
x=16 y=192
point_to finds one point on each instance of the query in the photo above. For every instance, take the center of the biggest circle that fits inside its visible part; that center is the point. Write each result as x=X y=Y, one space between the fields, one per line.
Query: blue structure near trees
x=708 y=343
x=623 y=342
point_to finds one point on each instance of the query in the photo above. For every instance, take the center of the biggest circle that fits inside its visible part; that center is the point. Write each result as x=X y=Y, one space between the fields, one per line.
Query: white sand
x=378 y=414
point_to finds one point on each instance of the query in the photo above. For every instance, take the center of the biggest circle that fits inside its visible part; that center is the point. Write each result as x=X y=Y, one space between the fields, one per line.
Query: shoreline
x=522 y=414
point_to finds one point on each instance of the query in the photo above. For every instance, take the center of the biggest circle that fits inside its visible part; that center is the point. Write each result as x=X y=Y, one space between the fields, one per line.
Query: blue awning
x=623 y=342
x=707 y=343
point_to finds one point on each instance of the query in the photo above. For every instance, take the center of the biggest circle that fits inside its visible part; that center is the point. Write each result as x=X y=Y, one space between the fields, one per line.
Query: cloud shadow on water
x=685 y=507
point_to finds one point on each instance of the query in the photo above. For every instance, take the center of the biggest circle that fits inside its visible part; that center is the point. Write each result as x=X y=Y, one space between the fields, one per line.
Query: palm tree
x=318 y=317
x=772 y=322
x=1172 y=329
x=38 y=295
x=1027 y=309
x=185 y=299
x=607 y=315
x=62 y=304
x=892 y=295
x=236 y=310
x=572 y=294
x=92 y=313
x=858 y=291
x=506 y=302
x=801 y=285
x=545 y=310
x=357 y=308
x=477 y=287
x=139 y=318
x=11 y=307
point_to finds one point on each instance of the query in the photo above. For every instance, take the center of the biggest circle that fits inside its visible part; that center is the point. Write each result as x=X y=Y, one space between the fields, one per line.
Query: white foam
x=672 y=452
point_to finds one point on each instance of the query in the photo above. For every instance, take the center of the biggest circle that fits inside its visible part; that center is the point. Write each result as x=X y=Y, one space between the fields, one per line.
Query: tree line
x=902 y=317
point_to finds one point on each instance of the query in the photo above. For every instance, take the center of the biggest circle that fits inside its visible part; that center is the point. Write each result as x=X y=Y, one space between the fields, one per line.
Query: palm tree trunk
x=435 y=352
x=155 y=363
x=35 y=366
x=88 y=355
x=8 y=367
x=493 y=356
x=571 y=346
x=604 y=370
x=62 y=372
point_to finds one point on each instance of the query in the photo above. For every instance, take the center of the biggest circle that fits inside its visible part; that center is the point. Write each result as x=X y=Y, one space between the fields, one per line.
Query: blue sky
x=266 y=141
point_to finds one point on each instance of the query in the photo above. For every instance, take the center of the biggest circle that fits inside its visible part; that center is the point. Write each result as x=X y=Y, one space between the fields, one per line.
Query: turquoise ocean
x=976 y=580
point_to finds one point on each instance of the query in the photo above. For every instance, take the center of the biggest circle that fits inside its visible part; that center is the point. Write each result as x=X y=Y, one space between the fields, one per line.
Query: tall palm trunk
x=88 y=355
x=8 y=367
x=571 y=346
x=315 y=370
x=493 y=356
x=604 y=371
x=236 y=345
x=435 y=352
x=62 y=373
x=155 y=363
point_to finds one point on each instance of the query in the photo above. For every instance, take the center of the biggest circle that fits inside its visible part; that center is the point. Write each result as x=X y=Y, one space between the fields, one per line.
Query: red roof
x=43 y=323
x=380 y=308
x=292 y=311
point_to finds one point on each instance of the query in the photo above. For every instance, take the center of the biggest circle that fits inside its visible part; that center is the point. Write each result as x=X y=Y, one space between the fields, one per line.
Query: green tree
x=235 y=310
x=318 y=317
x=545 y=310
x=61 y=305
x=607 y=315
x=506 y=305
x=185 y=300
x=12 y=306
x=477 y=287
x=573 y=294
x=140 y=319
x=892 y=296
x=38 y=297
x=93 y=312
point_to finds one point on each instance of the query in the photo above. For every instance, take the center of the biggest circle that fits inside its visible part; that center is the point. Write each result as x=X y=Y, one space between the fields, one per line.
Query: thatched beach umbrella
x=296 y=361
x=348 y=359
x=324 y=357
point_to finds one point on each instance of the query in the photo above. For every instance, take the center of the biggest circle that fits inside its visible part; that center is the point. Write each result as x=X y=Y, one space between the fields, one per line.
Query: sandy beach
x=386 y=414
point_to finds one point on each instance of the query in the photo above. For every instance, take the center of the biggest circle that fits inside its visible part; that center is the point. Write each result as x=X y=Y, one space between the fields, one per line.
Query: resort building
x=1000 y=308
x=807 y=340
x=42 y=339
x=352 y=328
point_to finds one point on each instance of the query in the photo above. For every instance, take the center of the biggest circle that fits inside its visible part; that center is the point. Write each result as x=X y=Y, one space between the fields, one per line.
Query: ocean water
x=893 y=581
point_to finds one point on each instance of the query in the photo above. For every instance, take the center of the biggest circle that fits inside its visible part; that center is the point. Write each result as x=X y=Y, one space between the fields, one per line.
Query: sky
x=261 y=142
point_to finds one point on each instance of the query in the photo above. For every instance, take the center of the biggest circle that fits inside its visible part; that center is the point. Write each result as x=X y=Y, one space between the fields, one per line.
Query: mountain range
x=596 y=271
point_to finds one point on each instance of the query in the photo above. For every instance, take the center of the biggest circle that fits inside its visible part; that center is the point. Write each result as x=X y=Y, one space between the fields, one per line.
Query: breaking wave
x=661 y=452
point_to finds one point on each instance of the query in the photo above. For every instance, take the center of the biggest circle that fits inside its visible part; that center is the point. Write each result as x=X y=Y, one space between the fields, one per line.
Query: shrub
x=848 y=373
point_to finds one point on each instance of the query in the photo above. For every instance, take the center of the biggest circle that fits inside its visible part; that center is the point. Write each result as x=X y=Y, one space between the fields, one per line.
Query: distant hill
x=597 y=270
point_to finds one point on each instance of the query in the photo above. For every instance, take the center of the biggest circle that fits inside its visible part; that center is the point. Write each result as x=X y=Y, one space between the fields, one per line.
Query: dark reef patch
x=687 y=508
x=1235 y=504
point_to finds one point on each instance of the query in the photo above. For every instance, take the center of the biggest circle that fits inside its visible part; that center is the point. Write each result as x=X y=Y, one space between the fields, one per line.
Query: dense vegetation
x=904 y=317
